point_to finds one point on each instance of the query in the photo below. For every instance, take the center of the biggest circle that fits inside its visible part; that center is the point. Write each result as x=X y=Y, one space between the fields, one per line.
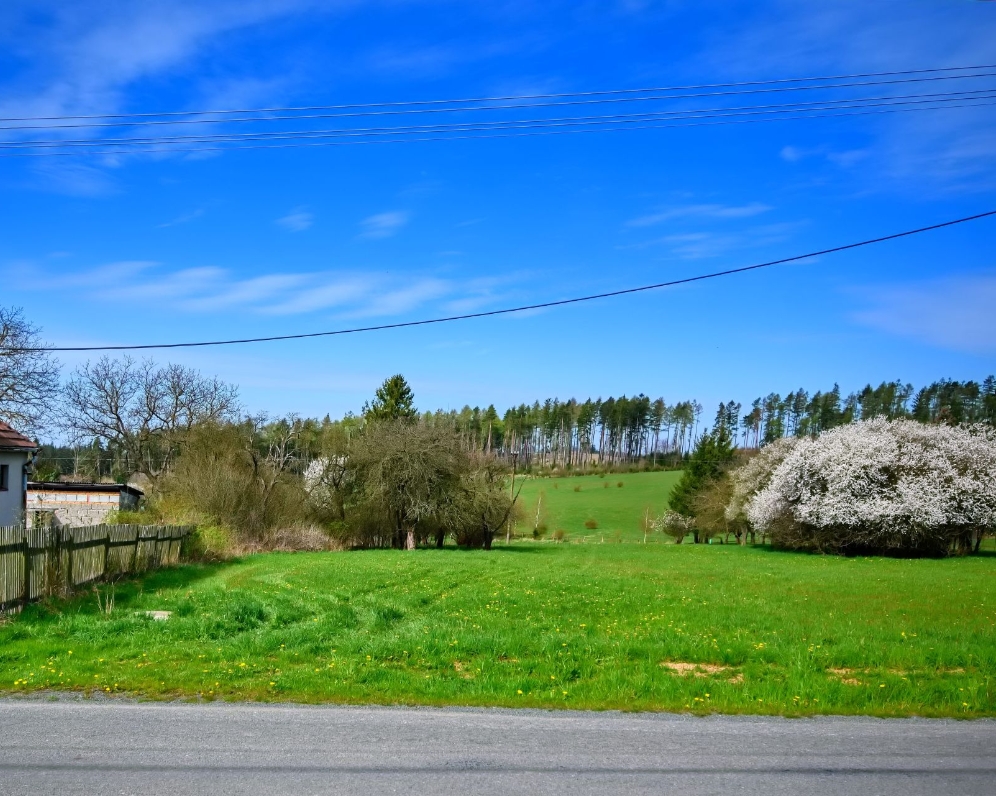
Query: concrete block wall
x=72 y=509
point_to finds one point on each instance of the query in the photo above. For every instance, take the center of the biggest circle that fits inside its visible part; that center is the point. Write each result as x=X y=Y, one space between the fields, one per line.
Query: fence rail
x=35 y=562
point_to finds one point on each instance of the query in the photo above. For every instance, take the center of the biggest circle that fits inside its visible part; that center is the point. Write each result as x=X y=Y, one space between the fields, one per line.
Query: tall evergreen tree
x=393 y=401
x=712 y=456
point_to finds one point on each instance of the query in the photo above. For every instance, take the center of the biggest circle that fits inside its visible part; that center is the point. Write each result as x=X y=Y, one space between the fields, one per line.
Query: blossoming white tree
x=875 y=486
x=754 y=476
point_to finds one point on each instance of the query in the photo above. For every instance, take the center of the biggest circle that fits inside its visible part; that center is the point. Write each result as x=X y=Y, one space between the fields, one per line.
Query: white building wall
x=12 y=500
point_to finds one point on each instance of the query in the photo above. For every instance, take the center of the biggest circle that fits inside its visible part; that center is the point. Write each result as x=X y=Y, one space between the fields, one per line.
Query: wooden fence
x=35 y=562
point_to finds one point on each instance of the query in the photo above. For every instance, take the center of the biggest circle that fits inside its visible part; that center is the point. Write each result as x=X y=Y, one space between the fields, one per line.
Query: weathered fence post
x=70 y=579
x=27 y=567
x=107 y=548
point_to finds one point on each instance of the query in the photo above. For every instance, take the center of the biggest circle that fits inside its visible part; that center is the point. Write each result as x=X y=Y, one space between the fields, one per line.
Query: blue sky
x=148 y=248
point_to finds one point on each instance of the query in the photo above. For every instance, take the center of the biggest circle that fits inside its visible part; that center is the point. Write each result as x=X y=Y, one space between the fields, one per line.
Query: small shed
x=78 y=504
x=16 y=452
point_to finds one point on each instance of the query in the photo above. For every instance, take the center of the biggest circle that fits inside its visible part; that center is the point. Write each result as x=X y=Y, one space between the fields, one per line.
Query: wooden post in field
x=511 y=518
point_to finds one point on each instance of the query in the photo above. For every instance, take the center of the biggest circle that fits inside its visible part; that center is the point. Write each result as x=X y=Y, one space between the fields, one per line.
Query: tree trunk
x=488 y=535
x=410 y=539
x=440 y=536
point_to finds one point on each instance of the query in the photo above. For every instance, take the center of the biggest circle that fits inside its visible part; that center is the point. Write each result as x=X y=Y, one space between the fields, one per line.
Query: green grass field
x=567 y=503
x=625 y=626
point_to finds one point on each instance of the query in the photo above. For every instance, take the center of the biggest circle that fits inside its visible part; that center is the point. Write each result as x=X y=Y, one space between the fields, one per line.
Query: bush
x=711 y=519
x=559 y=535
x=673 y=524
x=882 y=486
x=222 y=480
x=208 y=543
x=591 y=524
x=577 y=489
x=619 y=483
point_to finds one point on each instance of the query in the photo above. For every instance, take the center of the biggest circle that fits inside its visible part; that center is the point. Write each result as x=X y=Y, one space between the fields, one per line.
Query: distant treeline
x=799 y=414
x=627 y=430
x=612 y=432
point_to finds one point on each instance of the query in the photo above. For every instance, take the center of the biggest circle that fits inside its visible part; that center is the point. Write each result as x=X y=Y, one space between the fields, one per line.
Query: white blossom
x=756 y=474
x=321 y=478
x=887 y=483
x=673 y=524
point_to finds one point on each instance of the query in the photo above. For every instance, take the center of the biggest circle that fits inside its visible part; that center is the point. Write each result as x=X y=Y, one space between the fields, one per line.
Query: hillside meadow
x=597 y=626
x=616 y=502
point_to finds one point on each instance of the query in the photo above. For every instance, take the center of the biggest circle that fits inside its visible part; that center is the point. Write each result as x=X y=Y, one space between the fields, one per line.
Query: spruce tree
x=393 y=401
x=712 y=456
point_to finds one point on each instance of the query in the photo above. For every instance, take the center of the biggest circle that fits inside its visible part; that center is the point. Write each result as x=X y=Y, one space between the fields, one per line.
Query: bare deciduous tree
x=487 y=502
x=29 y=377
x=143 y=408
x=410 y=470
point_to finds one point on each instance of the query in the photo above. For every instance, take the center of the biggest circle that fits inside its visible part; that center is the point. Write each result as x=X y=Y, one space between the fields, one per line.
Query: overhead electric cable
x=523 y=308
x=507 y=98
x=504 y=107
x=49 y=152
x=692 y=113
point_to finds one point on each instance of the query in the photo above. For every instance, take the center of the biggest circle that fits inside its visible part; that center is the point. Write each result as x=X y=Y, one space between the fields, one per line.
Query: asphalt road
x=68 y=747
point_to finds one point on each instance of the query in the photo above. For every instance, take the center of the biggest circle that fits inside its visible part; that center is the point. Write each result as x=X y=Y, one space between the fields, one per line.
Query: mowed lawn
x=624 y=626
x=567 y=503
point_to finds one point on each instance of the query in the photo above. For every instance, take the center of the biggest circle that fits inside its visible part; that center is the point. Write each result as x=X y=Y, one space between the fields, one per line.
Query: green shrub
x=208 y=543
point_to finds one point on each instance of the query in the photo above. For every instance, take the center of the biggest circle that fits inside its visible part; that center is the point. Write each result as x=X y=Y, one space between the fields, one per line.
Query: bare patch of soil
x=684 y=669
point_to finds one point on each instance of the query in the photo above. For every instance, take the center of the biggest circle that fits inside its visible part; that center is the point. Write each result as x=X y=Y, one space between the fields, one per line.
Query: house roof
x=11 y=440
x=70 y=486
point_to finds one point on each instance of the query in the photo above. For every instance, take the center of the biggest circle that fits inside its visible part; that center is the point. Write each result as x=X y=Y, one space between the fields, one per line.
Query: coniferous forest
x=612 y=431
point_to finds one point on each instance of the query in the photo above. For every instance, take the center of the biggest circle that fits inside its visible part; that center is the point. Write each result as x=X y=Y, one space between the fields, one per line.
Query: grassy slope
x=619 y=511
x=580 y=626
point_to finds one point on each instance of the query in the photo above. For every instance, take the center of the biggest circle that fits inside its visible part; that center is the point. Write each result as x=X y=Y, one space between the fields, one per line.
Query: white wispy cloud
x=86 y=55
x=845 y=158
x=383 y=225
x=955 y=312
x=326 y=293
x=705 y=244
x=296 y=220
x=700 y=211
x=403 y=299
x=184 y=218
x=211 y=289
x=74 y=179
x=950 y=148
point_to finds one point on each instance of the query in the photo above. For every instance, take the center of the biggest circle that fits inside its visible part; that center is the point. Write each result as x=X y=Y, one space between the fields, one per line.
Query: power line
x=691 y=113
x=507 y=98
x=524 y=308
x=777 y=87
x=8 y=151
